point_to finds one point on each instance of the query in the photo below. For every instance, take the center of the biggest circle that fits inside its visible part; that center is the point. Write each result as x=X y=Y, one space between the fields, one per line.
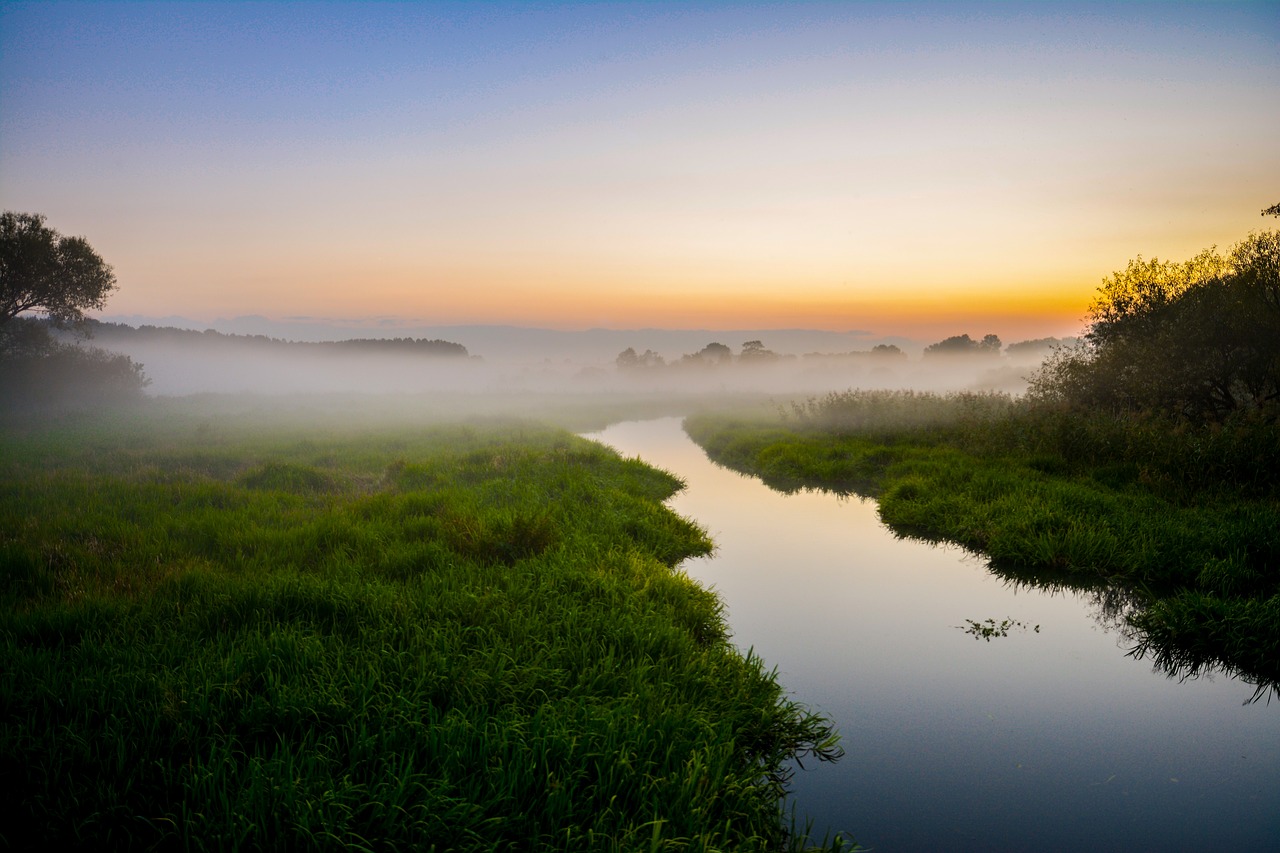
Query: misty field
x=225 y=632
x=1178 y=526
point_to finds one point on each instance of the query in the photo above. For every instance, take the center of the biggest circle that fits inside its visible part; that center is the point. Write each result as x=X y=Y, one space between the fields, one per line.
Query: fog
x=647 y=361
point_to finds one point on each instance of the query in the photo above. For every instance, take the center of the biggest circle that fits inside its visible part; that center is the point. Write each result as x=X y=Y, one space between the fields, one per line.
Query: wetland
x=1045 y=734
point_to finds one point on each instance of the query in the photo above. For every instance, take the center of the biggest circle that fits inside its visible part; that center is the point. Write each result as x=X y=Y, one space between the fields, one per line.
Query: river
x=1047 y=738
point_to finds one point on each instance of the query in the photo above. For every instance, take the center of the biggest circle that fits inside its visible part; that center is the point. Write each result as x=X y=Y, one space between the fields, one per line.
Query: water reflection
x=1040 y=741
x=1119 y=610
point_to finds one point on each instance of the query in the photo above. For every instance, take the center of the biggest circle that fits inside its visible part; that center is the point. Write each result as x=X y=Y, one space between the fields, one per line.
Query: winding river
x=1043 y=737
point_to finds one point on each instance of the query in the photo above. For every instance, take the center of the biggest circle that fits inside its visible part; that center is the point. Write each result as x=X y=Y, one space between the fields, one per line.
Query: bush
x=39 y=374
x=1197 y=341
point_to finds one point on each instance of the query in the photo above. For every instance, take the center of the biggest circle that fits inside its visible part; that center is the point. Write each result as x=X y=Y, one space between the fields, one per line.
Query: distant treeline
x=755 y=353
x=120 y=333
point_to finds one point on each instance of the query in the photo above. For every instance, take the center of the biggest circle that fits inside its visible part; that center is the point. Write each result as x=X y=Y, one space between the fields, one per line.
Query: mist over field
x=267 y=358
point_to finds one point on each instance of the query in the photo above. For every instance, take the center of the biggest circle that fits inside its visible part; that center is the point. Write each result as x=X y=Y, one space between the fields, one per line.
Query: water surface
x=1048 y=740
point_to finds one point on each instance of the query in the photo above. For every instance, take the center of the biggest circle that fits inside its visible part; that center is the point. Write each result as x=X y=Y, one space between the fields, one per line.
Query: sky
x=904 y=168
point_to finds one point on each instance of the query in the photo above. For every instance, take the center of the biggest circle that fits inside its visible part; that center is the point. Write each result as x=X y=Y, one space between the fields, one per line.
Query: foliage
x=964 y=345
x=755 y=351
x=989 y=628
x=38 y=374
x=629 y=359
x=887 y=413
x=221 y=633
x=712 y=353
x=40 y=270
x=1197 y=340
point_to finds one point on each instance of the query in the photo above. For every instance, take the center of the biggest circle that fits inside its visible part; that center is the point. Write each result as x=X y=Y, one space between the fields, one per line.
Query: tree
x=40 y=270
x=755 y=351
x=41 y=374
x=1131 y=302
x=628 y=359
x=965 y=345
x=716 y=353
x=1197 y=340
x=1273 y=210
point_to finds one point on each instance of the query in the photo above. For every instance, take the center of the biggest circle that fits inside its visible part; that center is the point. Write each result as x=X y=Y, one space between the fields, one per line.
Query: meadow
x=1177 y=527
x=251 y=628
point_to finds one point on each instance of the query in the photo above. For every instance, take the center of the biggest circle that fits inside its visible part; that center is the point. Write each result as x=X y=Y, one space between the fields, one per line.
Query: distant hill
x=118 y=334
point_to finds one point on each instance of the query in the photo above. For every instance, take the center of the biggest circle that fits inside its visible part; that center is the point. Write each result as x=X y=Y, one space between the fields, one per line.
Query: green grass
x=234 y=632
x=1194 y=548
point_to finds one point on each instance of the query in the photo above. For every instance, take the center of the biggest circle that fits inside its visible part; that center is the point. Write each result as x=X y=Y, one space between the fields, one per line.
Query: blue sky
x=891 y=166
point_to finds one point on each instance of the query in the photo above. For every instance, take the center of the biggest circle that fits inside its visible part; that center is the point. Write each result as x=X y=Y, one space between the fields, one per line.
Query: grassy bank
x=1184 y=525
x=224 y=632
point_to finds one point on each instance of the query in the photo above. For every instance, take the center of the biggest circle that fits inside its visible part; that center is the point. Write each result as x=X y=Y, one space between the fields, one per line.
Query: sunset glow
x=913 y=169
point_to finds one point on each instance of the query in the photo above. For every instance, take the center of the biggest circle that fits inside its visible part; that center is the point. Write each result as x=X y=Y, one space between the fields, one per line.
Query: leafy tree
x=40 y=270
x=1257 y=260
x=715 y=352
x=1198 y=340
x=711 y=355
x=755 y=351
x=1036 y=349
x=964 y=345
x=628 y=359
x=1273 y=210
x=62 y=277
x=1131 y=303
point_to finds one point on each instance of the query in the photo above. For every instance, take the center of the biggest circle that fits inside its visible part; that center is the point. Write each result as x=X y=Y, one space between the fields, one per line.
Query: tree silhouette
x=40 y=270
x=965 y=345
x=1197 y=340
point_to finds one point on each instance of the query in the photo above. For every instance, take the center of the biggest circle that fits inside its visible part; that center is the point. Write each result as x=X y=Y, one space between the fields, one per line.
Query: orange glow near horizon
x=907 y=171
x=545 y=298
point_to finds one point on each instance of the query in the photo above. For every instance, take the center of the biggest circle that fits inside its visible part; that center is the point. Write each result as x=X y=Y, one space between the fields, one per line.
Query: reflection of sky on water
x=1034 y=741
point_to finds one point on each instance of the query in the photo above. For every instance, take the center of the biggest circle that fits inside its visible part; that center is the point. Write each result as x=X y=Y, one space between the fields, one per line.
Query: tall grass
x=233 y=635
x=1236 y=455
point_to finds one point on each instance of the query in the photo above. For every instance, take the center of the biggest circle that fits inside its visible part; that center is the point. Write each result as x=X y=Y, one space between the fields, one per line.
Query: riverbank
x=1186 y=547
x=233 y=633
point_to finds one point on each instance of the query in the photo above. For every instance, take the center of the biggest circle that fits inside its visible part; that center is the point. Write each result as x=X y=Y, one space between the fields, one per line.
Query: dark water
x=1048 y=740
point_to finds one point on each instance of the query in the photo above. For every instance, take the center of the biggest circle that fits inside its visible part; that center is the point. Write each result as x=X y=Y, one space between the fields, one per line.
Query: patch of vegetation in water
x=233 y=633
x=989 y=629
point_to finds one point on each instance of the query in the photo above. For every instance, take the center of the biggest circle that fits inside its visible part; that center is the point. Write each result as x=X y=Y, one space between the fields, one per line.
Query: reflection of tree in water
x=1120 y=610
x=1116 y=608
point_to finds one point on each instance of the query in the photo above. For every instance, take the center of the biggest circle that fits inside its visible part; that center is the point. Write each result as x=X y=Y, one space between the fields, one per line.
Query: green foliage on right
x=1198 y=340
